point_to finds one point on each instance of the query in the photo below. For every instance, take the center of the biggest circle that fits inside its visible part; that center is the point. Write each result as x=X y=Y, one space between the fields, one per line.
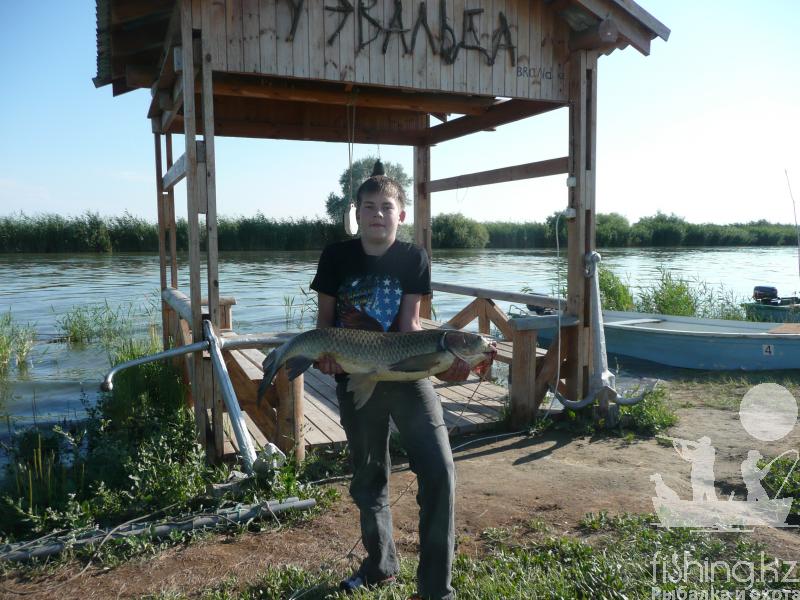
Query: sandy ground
x=555 y=478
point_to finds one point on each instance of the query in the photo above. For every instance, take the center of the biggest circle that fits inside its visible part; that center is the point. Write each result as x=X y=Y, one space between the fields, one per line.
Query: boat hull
x=705 y=344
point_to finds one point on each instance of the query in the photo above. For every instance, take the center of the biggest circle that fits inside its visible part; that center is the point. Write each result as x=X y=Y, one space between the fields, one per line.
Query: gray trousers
x=414 y=406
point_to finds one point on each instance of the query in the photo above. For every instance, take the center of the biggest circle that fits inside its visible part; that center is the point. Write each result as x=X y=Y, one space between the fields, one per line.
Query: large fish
x=370 y=356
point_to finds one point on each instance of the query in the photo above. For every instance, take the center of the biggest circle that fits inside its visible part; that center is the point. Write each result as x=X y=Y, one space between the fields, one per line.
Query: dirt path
x=553 y=478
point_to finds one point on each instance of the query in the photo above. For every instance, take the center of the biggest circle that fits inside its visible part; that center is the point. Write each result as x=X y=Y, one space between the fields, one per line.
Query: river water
x=38 y=288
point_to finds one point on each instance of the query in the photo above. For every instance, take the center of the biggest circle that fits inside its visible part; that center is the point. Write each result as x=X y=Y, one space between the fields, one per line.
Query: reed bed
x=92 y=233
x=16 y=342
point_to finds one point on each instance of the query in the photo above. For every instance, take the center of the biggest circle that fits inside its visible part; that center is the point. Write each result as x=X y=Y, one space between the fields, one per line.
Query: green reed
x=96 y=322
x=16 y=342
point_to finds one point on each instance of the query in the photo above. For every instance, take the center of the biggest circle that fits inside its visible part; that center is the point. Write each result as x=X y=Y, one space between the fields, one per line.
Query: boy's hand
x=458 y=371
x=328 y=365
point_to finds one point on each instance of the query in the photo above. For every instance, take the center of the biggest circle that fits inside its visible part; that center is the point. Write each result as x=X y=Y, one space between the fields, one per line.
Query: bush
x=614 y=294
x=457 y=231
x=612 y=230
x=669 y=296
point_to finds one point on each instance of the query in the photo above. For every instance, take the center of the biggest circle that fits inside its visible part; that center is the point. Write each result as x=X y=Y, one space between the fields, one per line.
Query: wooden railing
x=529 y=378
x=280 y=418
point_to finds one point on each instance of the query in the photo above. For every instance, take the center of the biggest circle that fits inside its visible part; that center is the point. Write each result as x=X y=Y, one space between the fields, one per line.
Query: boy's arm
x=409 y=321
x=326 y=316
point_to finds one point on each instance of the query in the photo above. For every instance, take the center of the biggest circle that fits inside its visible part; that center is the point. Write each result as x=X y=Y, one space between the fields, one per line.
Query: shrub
x=457 y=231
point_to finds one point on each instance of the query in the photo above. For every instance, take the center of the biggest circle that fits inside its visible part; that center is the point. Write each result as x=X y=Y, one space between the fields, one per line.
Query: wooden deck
x=468 y=406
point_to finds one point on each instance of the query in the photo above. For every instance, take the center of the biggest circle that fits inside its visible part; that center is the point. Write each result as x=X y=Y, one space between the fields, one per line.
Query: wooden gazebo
x=367 y=71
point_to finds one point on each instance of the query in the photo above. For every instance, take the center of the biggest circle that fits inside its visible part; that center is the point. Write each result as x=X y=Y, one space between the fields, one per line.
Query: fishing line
x=794 y=209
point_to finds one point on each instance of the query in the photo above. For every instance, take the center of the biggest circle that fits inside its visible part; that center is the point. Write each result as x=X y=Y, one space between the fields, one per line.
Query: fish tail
x=271 y=364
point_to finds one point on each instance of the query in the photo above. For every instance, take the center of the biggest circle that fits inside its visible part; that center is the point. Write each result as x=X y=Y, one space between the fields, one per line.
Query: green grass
x=16 y=342
x=613 y=558
x=84 y=324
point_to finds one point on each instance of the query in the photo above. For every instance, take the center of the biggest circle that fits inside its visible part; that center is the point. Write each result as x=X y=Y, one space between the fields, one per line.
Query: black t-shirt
x=368 y=289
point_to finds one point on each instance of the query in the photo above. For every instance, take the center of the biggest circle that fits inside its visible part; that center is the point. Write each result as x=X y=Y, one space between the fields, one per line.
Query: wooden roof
x=131 y=33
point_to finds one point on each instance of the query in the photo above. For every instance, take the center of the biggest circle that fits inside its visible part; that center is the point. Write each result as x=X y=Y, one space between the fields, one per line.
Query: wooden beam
x=629 y=28
x=161 y=209
x=364 y=97
x=600 y=37
x=175 y=174
x=422 y=212
x=124 y=11
x=498 y=114
x=523 y=379
x=644 y=17
x=139 y=76
x=290 y=131
x=542 y=168
x=538 y=300
x=465 y=316
x=499 y=318
x=125 y=43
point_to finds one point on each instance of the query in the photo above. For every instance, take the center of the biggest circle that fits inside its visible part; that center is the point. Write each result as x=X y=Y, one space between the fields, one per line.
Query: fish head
x=475 y=350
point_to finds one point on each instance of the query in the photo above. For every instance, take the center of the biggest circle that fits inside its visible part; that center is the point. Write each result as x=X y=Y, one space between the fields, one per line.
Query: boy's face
x=378 y=217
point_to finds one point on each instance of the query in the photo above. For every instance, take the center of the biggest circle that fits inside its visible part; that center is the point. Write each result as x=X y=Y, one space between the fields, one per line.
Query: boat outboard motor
x=764 y=294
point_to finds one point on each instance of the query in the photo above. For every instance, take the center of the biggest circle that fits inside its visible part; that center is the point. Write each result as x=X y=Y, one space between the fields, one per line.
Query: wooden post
x=210 y=201
x=199 y=382
x=582 y=111
x=290 y=414
x=422 y=210
x=173 y=233
x=162 y=250
x=484 y=325
x=523 y=377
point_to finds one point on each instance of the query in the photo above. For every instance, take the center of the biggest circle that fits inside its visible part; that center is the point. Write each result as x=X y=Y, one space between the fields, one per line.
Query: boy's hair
x=379 y=183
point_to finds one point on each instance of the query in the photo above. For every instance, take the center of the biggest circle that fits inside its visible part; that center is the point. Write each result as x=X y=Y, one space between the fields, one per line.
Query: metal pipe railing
x=246 y=448
x=272 y=455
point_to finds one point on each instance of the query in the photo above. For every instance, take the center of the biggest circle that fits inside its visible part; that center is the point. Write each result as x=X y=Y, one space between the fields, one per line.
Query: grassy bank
x=605 y=557
x=92 y=233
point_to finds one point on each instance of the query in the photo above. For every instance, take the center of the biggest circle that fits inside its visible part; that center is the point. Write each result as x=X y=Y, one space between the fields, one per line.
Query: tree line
x=92 y=233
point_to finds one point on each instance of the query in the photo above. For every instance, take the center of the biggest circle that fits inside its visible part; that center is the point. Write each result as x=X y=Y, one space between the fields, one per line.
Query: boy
x=376 y=282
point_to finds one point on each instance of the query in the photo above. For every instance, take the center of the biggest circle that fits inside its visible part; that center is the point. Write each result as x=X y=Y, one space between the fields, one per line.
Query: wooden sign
x=504 y=48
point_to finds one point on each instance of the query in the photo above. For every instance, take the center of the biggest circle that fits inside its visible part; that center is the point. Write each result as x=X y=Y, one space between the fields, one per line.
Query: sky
x=704 y=128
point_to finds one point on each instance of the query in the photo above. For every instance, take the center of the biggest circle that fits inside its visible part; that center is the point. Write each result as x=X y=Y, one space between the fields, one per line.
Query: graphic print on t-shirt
x=378 y=296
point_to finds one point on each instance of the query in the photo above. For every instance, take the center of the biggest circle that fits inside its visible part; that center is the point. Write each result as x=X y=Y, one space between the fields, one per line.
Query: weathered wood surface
x=486 y=47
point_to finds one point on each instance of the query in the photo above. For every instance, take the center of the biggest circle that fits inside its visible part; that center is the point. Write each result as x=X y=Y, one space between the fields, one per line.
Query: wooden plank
x=629 y=27
x=499 y=318
x=162 y=242
x=523 y=50
x=337 y=95
x=173 y=242
x=199 y=391
x=501 y=113
x=332 y=41
x=485 y=70
x=174 y=174
x=406 y=60
x=451 y=288
x=214 y=21
x=376 y=59
x=283 y=27
x=300 y=44
x=234 y=33
x=251 y=49
x=465 y=316
x=503 y=59
x=392 y=44
x=267 y=38
x=542 y=168
x=523 y=377
x=316 y=41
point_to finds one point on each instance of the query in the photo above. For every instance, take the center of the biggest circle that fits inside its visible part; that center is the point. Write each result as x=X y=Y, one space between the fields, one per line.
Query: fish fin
x=362 y=387
x=297 y=365
x=270 y=366
x=415 y=364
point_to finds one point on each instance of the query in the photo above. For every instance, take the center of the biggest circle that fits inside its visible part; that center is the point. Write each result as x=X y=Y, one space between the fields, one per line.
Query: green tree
x=612 y=230
x=457 y=231
x=337 y=204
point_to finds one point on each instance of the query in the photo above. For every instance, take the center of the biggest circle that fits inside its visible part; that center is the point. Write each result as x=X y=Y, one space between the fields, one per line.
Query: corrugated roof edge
x=103 y=16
